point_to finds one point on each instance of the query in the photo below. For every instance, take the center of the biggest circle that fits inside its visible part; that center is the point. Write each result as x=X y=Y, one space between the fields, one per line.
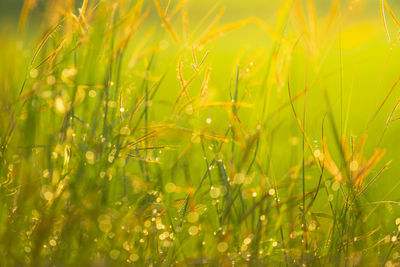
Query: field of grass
x=200 y=133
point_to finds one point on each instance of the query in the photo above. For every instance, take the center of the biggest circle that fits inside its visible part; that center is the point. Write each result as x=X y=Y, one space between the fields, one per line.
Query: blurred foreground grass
x=158 y=133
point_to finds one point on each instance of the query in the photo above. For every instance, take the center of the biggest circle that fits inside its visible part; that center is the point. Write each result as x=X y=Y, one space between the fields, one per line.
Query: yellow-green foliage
x=185 y=132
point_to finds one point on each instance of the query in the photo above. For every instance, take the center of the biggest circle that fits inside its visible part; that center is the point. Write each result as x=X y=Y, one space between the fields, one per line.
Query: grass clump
x=164 y=133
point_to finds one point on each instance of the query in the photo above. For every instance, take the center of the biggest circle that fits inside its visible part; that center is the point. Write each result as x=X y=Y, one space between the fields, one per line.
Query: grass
x=215 y=133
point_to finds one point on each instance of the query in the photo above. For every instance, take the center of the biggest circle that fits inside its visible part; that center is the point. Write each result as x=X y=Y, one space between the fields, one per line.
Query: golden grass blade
x=332 y=14
x=360 y=147
x=44 y=40
x=283 y=106
x=143 y=138
x=182 y=80
x=176 y=9
x=53 y=54
x=26 y=8
x=143 y=159
x=188 y=103
x=82 y=10
x=312 y=20
x=166 y=22
x=330 y=165
x=391 y=13
x=386 y=98
x=207 y=15
x=382 y=8
x=358 y=238
x=184 y=84
x=222 y=30
x=204 y=85
x=185 y=25
x=366 y=168
x=265 y=26
x=204 y=58
x=373 y=179
x=213 y=24
x=167 y=7
x=132 y=29
x=285 y=8
x=155 y=147
x=299 y=18
x=39 y=47
x=396 y=106
x=344 y=148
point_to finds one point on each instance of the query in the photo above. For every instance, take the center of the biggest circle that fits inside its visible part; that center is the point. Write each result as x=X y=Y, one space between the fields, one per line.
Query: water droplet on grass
x=353 y=165
x=34 y=73
x=271 y=192
x=114 y=254
x=92 y=93
x=59 y=105
x=335 y=186
x=90 y=157
x=125 y=131
x=215 y=192
x=134 y=257
x=193 y=230
x=239 y=178
x=247 y=240
x=222 y=247
x=50 y=80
